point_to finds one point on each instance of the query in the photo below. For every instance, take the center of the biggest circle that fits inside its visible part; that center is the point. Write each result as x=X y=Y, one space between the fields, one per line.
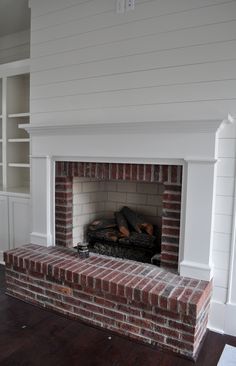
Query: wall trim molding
x=230 y=319
x=113 y=159
x=222 y=318
x=193 y=126
x=200 y=160
x=232 y=260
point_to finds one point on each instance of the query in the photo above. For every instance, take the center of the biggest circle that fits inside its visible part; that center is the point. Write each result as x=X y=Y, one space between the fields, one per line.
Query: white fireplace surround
x=192 y=144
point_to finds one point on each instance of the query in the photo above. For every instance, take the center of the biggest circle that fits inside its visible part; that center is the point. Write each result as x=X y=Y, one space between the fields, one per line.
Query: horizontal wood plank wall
x=165 y=60
x=224 y=201
x=14 y=47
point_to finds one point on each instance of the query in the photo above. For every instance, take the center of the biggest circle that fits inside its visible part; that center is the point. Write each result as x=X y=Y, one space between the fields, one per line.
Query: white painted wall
x=166 y=60
x=14 y=47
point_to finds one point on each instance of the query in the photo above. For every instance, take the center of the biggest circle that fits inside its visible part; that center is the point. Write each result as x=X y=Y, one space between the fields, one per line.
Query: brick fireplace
x=169 y=176
x=134 y=299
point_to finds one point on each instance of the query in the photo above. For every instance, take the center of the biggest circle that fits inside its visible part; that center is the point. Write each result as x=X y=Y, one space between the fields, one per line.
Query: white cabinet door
x=4 y=233
x=19 y=221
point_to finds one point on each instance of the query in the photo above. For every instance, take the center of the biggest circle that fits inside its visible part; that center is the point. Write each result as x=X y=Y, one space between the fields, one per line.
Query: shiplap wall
x=223 y=227
x=166 y=60
x=225 y=183
x=14 y=47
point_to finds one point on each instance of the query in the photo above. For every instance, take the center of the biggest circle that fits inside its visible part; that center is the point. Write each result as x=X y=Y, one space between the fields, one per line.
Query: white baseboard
x=230 y=319
x=215 y=330
x=222 y=318
x=217 y=317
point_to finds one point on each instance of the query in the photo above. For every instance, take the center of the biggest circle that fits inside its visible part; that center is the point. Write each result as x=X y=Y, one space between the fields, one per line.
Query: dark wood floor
x=30 y=336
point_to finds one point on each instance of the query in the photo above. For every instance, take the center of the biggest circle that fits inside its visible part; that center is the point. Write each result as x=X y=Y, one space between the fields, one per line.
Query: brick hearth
x=168 y=175
x=137 y=300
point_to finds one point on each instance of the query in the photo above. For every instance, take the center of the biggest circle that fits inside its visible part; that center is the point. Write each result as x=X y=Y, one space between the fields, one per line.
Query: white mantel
x=193 y=144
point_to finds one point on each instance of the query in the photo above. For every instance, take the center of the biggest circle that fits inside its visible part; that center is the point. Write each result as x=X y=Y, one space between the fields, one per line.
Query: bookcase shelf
x=18 y=115
x=19 y=140
x=18 y=165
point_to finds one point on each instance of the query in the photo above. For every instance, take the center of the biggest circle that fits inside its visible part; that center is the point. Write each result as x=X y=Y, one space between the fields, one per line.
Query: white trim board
x=204 y=126
x=1 y=258
x=222 y=318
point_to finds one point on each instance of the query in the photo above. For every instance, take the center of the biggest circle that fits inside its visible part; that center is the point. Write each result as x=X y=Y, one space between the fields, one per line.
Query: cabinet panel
x=19 y=221
x=4 y=235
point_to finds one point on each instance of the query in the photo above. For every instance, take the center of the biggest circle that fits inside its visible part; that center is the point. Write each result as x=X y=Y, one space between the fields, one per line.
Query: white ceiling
x=14 y=16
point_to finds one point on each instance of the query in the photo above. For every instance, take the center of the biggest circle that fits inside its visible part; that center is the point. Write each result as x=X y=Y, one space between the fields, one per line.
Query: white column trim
x=232 y=255
x=49 y=206
x=43 y=238
x=1 y=258
x=189 y=266
x=53 y=203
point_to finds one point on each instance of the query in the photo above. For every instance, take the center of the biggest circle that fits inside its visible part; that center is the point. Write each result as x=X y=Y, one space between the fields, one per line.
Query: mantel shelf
x=162 y=127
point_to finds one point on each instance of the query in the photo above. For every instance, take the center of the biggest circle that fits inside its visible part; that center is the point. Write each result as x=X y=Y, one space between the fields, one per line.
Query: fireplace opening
x=95 y=199
x=128 y=211
x=128 y=235
x=118 y=218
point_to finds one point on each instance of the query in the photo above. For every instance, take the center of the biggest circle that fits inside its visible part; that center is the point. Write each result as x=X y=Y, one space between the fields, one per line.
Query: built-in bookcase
x=15 y=142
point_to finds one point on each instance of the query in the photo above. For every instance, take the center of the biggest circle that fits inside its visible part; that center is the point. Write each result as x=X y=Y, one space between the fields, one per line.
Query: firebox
x=125 y=210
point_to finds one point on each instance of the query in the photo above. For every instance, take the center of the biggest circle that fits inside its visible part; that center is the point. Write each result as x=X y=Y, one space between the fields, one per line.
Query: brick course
x=141 y=301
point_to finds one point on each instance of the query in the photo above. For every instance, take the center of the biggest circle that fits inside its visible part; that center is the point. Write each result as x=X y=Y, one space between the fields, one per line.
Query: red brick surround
x=169 y=175
x=137 y=300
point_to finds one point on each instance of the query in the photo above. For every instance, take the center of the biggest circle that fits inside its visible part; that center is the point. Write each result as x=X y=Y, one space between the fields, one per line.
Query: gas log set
x=127 y=235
